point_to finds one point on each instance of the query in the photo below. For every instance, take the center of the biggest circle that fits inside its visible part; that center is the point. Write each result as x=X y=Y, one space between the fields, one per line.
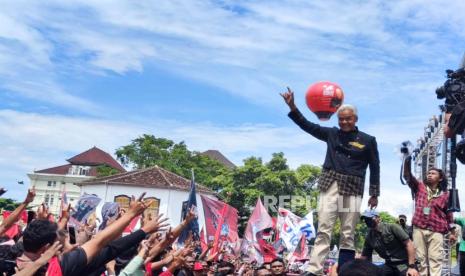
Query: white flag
x=289 y=228
x=306 y=226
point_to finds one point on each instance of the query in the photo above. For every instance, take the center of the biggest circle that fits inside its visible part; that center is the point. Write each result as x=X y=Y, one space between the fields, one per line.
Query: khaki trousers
x=331 y=206
x=429 y=250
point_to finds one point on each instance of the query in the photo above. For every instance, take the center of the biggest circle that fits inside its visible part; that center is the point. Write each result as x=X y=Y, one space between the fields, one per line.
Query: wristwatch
x=412 y=266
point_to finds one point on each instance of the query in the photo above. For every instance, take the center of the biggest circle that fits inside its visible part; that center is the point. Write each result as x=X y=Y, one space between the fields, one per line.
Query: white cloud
x=213 y=41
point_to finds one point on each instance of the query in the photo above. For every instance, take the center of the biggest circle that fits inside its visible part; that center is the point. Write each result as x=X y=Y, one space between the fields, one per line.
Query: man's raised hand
x=289 y=98
x=154 y=225
x=31 y=194
x=137 y=207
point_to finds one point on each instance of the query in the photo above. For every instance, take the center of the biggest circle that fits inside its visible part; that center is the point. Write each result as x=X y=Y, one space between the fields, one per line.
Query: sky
x=78 y=74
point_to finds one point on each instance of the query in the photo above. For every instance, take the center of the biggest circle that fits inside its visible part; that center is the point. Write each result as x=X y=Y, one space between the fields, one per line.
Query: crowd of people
x=46 y=246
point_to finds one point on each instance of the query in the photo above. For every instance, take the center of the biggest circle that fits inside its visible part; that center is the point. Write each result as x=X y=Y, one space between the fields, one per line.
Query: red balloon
x=324 y=98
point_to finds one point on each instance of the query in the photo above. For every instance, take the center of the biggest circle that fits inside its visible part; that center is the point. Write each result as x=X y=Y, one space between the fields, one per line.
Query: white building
x=52 y=182
x=170 y=191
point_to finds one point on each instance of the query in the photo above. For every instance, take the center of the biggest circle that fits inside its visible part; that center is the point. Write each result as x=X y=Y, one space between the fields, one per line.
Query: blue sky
x=76 y=74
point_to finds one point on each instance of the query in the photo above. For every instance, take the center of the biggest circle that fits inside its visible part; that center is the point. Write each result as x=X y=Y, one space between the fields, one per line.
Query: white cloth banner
x=291 y=228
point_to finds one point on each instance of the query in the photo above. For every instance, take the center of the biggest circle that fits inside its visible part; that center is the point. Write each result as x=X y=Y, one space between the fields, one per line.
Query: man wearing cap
x=341 y=184
x=403 y=223
x=391 y=243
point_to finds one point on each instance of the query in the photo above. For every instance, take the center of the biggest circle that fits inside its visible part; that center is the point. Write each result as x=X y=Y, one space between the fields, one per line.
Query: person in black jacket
x=341 y=184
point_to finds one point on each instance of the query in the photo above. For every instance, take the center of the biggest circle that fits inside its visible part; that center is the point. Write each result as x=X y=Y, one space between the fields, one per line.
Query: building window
x=123 y=201
x=47 y=197
x=54 y=183
x=51 y=200
x=83 y=171
x=49 y=183
x=153 y=209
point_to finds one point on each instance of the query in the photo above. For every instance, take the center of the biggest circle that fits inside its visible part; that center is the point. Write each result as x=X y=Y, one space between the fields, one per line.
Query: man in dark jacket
x=341 y=184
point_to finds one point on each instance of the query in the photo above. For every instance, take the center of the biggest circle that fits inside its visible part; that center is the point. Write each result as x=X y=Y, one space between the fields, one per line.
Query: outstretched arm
x=411 y=180
x=43 y=260
x=14 y=217
x=92 y=247
x=313 y=129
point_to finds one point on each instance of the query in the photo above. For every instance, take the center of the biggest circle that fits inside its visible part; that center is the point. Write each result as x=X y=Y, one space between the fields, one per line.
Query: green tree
x=8 y=204
x=105 y=170
x=273 y=179
x=240 y=187
x=148 y=150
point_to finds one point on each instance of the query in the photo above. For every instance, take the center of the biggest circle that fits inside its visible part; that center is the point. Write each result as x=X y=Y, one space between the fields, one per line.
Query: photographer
x=431 y=221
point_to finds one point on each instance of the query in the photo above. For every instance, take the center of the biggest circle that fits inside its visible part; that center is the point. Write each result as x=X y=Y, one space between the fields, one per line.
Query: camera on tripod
x=453 y=89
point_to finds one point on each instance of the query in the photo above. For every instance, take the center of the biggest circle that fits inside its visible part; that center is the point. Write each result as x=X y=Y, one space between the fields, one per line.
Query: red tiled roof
x=151 y=177
x=63 y=169
x=218 y=156
x=94 y=157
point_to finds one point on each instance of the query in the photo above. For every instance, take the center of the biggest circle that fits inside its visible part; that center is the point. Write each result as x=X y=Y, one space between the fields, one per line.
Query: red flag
x=203 y=243
x=219 y=228
x=132 y=225
x=23 y=215
x=258 y=221
x=300 y=252
x=12 y=231
x=220 y=216
x=275 y=228
x=266 y=249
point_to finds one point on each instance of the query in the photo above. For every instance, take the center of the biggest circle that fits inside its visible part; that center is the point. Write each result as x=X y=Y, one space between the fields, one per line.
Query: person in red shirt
x=431 y=220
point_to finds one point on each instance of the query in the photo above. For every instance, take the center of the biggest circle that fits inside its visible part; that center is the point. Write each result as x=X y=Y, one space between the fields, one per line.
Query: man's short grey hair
x=347 y=107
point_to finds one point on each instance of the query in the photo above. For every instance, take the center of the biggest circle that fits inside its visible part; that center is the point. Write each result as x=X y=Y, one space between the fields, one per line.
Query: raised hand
x=31 y=194
x=51 y=251
x=137 y=207
x=191 y=215
x=65 y=213
x=289 y=98
x=157 y=223
x=43 y=212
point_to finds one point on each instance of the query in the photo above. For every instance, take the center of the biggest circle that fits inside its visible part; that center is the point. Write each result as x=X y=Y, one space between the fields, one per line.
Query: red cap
x=198 y=266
